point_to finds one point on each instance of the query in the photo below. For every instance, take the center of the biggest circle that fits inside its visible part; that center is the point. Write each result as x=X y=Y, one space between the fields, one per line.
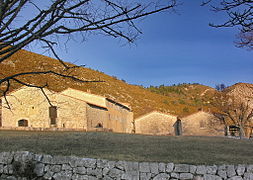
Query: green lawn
x=193 y=150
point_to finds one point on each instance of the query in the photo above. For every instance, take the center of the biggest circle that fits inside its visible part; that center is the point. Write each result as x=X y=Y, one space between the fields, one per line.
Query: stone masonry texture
x=24 y=165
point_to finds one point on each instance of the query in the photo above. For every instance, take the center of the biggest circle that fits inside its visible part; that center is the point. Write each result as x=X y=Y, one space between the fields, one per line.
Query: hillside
x=191 y=95
x=179 y=100
x=141 y=100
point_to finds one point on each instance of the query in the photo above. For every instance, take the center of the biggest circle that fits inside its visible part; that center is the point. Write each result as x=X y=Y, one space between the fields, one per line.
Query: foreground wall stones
x=24 y=165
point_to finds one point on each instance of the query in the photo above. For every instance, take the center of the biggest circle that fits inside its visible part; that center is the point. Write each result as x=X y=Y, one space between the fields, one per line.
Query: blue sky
x=175 y=48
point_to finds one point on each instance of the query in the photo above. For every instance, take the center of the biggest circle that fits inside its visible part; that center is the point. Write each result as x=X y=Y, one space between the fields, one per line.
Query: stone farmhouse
x=202 y=123
x=69 y=110
x=198 y=124
x=155 y=123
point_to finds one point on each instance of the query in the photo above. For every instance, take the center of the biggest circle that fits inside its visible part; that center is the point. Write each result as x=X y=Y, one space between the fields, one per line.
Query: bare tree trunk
x=242 y=132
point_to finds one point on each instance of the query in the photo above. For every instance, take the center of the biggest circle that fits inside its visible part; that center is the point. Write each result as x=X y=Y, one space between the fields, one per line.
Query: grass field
x=194 y=150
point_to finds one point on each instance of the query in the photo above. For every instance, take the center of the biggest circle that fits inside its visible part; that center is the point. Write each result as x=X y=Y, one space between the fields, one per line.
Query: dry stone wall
x=23 y=165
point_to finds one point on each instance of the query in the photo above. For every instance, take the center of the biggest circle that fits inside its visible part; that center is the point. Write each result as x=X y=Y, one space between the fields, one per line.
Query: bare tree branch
x=240 y=14
x=63 y=19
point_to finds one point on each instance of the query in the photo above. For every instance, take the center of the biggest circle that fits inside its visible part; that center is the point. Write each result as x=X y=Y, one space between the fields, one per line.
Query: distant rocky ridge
x=243 y=91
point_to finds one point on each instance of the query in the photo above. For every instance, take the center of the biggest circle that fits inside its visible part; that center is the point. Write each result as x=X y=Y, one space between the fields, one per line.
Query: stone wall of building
x=202 y=124
x=25 y=165
x=97 y=116
x=31 y=105
x=120 y=117
x=155 y=123
x=72 y=109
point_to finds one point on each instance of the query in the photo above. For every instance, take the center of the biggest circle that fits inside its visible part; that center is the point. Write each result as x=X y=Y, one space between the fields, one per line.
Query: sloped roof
x=154 y=112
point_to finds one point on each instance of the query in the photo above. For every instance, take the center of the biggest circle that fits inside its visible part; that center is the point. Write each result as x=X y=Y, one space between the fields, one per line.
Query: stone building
x=155 y=123
x=70 y=110
x=202 y=123
x=197 y=124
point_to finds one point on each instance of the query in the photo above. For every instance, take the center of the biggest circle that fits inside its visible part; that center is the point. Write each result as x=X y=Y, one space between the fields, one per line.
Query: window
x=99 y=125
x=202 y=124
x=23 y=123
x=53 y=114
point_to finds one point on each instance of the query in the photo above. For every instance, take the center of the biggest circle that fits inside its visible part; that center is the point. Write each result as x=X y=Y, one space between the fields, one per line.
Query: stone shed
x=202 y=123
x=69 y=110
x=155 y=123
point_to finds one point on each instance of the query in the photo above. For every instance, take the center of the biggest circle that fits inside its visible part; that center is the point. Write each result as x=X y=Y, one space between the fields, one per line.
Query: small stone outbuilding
x=202 y=123
x=155 y=123
x=69 y=110
x=197 y=124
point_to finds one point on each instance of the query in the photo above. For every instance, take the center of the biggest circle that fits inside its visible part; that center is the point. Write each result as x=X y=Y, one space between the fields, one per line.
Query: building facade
x=155 y=123
x=68 y=110
x=202 y=123
x=198 y=124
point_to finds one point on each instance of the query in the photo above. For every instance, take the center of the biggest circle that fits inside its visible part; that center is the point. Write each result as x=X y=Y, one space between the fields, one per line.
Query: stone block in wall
x=88 y=162
x=83 y=177
x=8 y=169
x=131 y=170
x=145 y=176
x=102 y=163
x=174 y=175
x=162 y=176
x=23 y=156
x=97 y=172
x=6 y=157
x=105 y=171
x=144 y=167
x=154 y=168
x=47 y=159
x=55 y=168
x=222 y=173
x=240 y=169
x=201 y=170
x=120 y=165
x=115 y=173
x=48 y=175
x=235 y=178
x=211 y=177
x=198 y=177
x=60 y=160
x=11 y=178
x=193 y=169
x=162 y=167
x=1 y=168
x=130 y=175
x=182 y=168
x=250 y=168
x=248 y=176
x=39 y=169
x=66 y=167
x=79 y=170
x=62 y=176
x=211 y=169
x=231 y=171
x=110 y=164
x=185 y=176
x=169 y=167
x=37 y=157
